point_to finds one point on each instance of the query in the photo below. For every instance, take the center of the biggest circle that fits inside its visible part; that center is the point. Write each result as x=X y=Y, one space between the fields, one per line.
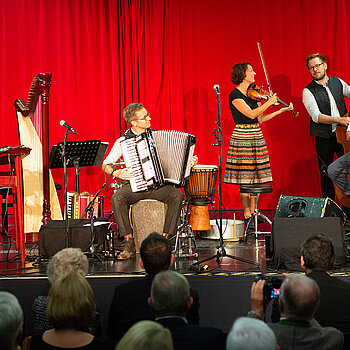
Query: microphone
x=63 y=123
x=217 y=89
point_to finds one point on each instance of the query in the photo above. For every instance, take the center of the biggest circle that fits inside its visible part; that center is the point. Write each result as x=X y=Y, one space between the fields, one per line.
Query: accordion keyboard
x=132 y=160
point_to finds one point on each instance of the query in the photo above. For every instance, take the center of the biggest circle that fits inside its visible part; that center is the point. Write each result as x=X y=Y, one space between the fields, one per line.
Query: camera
x=271 y=287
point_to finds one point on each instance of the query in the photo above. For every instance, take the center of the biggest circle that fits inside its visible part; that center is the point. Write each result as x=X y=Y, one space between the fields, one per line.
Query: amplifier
x=311 y=207
x=52 y=235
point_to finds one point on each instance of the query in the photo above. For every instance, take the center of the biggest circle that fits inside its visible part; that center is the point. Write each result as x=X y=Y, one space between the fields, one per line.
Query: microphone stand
x=90 y=209
x=221 y=252
x=64 y=161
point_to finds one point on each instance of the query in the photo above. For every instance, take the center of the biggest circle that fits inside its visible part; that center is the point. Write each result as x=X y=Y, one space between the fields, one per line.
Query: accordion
x=157 y=157
x=78 y=202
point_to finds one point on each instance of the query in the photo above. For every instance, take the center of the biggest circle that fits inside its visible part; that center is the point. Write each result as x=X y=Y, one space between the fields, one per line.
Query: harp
x=40 y=198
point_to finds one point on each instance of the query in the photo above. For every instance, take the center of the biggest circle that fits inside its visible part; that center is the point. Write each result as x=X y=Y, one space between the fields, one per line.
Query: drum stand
x=221 y=252
x=185 y=244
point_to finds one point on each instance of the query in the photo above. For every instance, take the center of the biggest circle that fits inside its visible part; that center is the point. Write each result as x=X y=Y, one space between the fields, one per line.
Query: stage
x=224 y=287
x=224 y=295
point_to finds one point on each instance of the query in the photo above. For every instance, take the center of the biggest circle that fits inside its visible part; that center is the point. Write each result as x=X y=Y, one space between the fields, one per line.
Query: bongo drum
x=200 y=190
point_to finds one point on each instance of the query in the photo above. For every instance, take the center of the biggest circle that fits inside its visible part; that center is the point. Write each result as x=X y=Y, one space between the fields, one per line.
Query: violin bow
x=268 y=80
x=265 y=70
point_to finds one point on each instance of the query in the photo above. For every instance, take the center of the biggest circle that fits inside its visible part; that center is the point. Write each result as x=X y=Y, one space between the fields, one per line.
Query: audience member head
x=170 y=294
x=146 y=335
x=317 y=253
x=11 y=321
x=156 y=254
x=130 y=112
x=66 y=261
x=299 y=298
x=250 y=333
x=71 y=303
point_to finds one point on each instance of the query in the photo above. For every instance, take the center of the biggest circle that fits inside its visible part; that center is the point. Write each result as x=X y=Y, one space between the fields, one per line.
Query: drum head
x=201 y=167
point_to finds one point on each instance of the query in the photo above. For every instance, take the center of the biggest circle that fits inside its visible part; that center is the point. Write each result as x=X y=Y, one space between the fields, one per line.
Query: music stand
x=77 y=154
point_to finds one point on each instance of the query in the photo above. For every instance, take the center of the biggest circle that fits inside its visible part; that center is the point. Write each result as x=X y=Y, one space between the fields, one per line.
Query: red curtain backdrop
x=168 y=54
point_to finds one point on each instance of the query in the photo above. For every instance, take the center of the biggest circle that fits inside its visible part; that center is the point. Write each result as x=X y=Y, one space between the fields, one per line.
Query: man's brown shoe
x=129 y=250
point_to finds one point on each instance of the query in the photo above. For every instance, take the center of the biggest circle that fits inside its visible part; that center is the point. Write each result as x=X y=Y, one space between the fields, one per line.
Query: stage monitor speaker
x=311 y=207
x=287 y=234
x=52 y=235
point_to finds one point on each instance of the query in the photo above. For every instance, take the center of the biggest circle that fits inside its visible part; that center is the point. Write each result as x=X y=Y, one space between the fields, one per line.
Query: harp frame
x=40 y=87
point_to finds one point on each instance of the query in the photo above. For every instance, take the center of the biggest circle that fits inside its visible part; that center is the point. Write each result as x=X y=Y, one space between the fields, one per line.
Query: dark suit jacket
x=294 y=335
x=334 y=309
x=129 y=305
x=192 y=336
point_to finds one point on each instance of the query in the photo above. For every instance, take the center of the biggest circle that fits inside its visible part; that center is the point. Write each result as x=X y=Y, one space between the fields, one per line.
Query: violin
x=259 y=94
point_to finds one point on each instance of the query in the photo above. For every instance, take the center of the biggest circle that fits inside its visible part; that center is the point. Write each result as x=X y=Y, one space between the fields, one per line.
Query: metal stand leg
x=255 y=217
x=185 y=243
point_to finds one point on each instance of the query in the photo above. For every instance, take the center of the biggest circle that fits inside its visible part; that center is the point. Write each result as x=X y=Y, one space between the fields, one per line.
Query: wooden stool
x=147 y=216
x=254 y=190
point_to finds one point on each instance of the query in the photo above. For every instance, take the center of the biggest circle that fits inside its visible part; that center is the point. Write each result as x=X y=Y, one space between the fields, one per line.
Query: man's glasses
x=145 y=117
x=316 y=66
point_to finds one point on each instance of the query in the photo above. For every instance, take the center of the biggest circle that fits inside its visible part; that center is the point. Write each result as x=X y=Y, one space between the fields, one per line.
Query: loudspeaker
x=287 y=234
x=52 y=235
x=311 y=207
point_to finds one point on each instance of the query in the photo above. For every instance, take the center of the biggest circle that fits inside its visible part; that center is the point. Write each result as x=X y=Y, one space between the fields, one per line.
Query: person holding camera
x=317 y=258
x=298 y=302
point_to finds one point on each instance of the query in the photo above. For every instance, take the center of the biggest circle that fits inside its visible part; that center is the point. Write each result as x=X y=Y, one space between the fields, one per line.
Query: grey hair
x=169 y=293
x=11 y=320
x=300 y=297
x=146 y=335
x=250 y=333
x=66 y=261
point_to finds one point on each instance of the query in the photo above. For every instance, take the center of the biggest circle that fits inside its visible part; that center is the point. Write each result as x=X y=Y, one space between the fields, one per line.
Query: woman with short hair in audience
x=146 y=335
x=62 y=263
x=70 y=310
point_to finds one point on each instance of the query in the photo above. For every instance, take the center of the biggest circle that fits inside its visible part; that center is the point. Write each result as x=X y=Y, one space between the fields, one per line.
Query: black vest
x=324 y=105
x=128 y=134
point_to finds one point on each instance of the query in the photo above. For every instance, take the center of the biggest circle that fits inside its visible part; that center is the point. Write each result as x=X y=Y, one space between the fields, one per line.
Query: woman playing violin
x=247 y=159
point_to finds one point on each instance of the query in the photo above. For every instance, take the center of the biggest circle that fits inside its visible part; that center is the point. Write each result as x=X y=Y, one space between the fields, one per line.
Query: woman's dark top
x=40 y=324
x=37 y=343
x=238 y=117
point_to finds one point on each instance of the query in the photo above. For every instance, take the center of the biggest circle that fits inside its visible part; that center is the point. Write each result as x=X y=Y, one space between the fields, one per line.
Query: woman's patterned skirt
x=247 y=158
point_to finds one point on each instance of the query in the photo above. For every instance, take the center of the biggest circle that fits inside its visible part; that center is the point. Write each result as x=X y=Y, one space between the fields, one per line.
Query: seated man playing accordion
x=139 y=120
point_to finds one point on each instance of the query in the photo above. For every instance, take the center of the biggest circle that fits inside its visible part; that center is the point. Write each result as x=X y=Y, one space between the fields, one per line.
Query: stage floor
x=249 y=255
x=252 y=252
x=224 y=286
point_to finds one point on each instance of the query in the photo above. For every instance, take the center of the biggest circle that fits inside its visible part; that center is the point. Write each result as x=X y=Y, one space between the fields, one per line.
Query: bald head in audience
x=300 y=297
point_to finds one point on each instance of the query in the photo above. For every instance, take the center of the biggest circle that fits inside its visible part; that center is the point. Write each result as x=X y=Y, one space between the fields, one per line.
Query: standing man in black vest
x=324 y=100
x=139 y=121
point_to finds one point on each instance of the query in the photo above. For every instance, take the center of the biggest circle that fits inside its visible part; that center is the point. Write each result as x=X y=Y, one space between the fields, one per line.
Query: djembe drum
x=200 y=192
